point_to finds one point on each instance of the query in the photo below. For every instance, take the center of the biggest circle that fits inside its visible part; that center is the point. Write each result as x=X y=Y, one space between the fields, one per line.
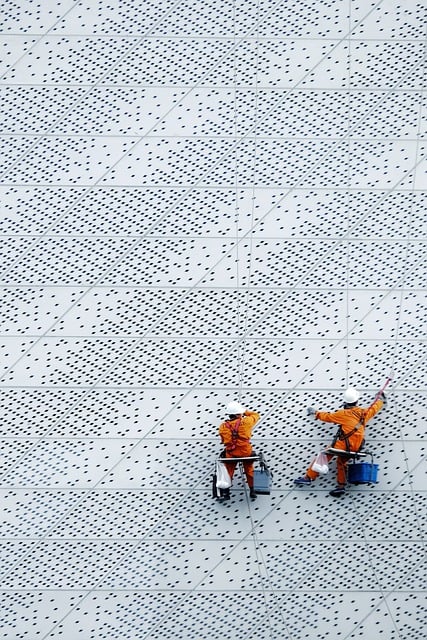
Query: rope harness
x=345 y=437
x=234 y=429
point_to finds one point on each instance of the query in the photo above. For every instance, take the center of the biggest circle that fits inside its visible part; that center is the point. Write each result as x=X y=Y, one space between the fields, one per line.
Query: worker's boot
x=338 y=491
x=252 y=494
x=304 y=481
x=225 y=495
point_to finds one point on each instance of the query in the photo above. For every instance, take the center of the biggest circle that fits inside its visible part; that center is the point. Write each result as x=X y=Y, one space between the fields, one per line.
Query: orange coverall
x=348 y=419
x=238 y=445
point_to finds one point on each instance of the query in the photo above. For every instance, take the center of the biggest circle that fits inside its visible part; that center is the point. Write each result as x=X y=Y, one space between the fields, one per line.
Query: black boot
x=252 y=494
x=225 y=495
x=338 y=491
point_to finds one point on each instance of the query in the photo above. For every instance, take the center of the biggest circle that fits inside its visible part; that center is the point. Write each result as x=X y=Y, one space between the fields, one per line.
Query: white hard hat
x=234 y=408
x=351 y=395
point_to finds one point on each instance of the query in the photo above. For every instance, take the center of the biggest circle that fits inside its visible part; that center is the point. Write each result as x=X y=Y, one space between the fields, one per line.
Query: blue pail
x=362 y=472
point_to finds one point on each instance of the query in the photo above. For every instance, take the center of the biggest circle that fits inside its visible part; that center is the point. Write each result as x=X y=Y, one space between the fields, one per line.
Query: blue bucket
x=362 y=472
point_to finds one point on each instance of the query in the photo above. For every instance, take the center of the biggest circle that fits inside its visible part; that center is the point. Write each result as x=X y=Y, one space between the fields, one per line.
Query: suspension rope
x=347 y=304
x=417 y=517
x=260 y=560
x=409 y=222
x=236 y=200
x=243 y=317
x=372 y=566
x=263 y=573
x=347 y=198
x=397 y=332
x=259 y=557
x=252 y=221
x=402 y=290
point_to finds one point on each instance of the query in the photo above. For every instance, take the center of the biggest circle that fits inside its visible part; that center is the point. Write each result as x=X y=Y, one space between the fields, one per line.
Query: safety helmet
x=351 y=395
x=234 y=408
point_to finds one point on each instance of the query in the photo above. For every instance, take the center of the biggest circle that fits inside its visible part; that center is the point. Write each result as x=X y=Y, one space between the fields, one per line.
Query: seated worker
x=235 y=434
x=350 y=436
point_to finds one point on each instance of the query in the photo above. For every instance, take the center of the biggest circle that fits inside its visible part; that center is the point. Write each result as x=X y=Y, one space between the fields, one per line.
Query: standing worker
x=350 y=436
x=235 y=434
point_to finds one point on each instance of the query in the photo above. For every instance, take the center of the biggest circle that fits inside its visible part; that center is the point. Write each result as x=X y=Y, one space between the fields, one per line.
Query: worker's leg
x=231 y=466
x=342 y=470
x=249 y=472
x=341 y=477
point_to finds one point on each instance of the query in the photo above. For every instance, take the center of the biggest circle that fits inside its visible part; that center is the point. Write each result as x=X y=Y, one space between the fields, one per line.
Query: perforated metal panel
x=203 y=201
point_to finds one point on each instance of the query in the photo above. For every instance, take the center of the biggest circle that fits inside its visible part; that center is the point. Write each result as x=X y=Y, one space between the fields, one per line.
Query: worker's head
x=234 y=409
x=351 y=396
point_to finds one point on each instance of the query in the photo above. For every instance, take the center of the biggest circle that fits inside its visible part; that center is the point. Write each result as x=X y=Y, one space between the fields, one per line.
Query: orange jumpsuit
x=235 y=435
x=348 y=419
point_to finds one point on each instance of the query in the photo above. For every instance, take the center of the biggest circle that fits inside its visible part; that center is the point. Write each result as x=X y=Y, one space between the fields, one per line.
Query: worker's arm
x=335 y=417
x=251 y=418
x=373 y=409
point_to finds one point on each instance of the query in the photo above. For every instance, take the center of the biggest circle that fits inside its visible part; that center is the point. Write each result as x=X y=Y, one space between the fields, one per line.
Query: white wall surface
x=201 y=201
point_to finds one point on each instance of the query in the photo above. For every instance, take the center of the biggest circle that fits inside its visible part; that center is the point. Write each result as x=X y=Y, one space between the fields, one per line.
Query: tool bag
x=220 y=479
x=223 y=480
x=320 y=463
x=262 y=477
x=262 y=481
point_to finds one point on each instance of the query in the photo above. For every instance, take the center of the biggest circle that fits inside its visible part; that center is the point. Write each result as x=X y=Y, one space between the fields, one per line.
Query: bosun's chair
x=358 y=472
x=262 y=476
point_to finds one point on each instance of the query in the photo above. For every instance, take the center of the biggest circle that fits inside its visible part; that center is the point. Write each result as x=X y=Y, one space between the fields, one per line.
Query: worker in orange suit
x=350 y=436
x=235 y=434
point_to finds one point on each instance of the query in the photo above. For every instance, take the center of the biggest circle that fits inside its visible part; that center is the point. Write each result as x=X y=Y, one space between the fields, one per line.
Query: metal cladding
x=203 y=201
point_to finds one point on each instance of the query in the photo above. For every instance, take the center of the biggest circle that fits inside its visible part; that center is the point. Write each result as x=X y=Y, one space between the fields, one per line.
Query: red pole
x=387 y=382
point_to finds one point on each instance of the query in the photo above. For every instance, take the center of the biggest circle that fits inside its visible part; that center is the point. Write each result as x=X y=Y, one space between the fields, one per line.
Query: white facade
x=206 y=201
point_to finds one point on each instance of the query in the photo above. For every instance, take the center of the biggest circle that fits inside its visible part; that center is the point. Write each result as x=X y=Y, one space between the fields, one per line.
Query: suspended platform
x=358 y=472
x=262 y=475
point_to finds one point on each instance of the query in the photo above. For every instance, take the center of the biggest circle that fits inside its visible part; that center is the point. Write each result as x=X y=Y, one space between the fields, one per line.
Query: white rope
x=347 y=294
x=262 y=564
x=409 y=219
x=244 y=317
x=242 y=348
x=236 y=200
x=417 y=516
x=367 y=548
x=384 y=598
x=252 y=224
x=402 y=289
x=372 y=567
